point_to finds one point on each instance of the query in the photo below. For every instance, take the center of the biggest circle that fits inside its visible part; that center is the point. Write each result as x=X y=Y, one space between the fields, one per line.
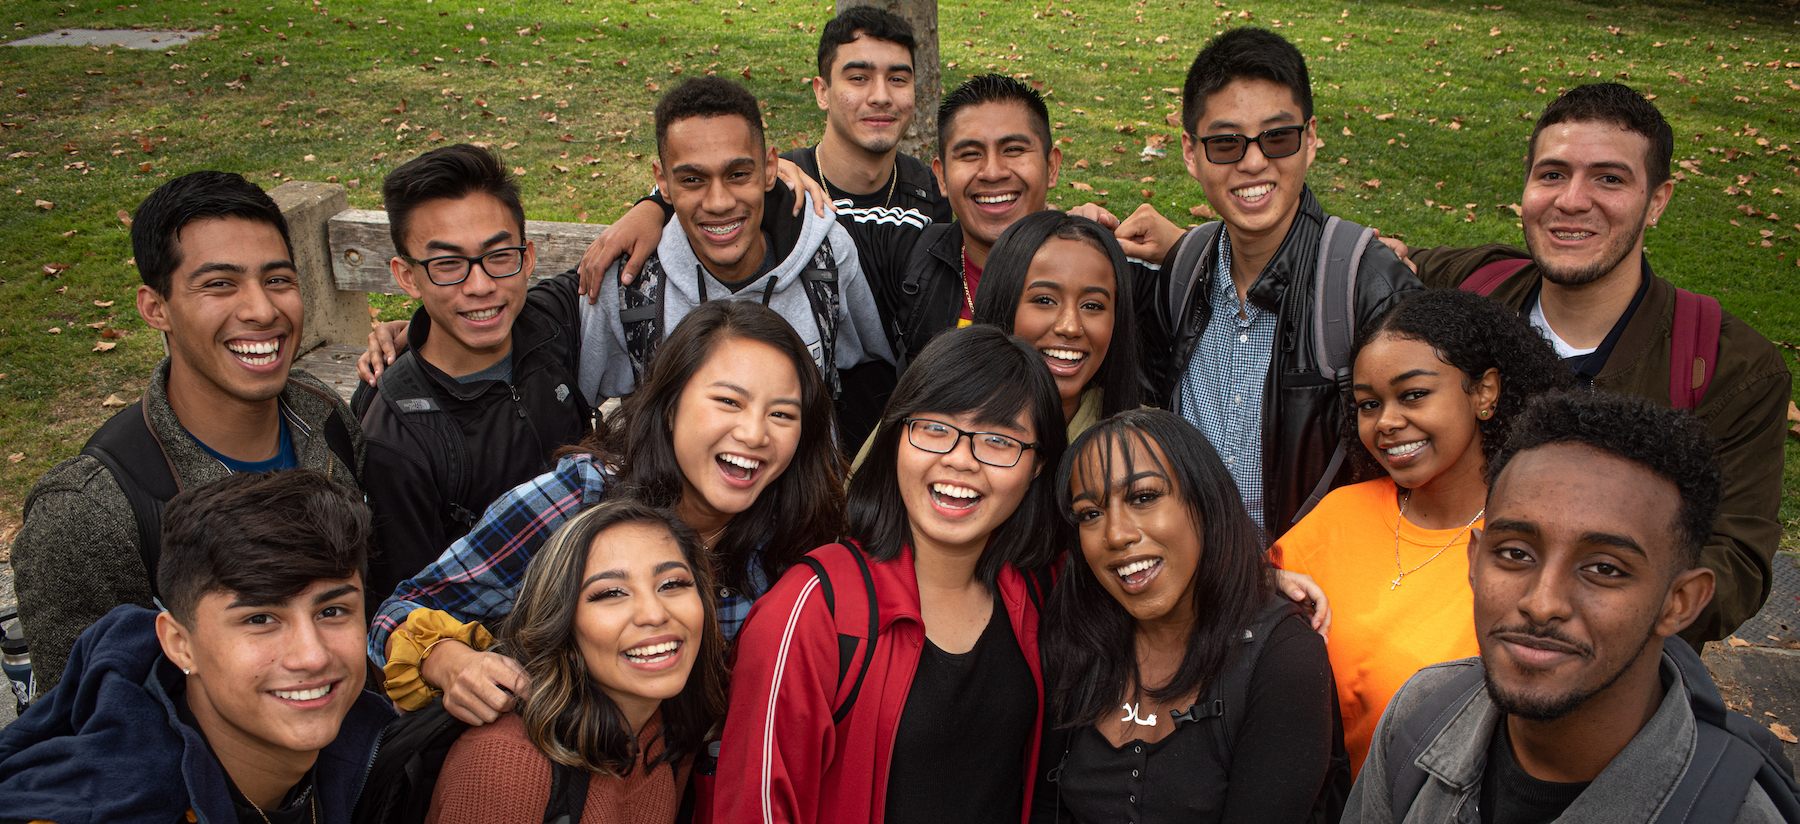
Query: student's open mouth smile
x=1569 y=236
x=656 y=654
x=1064 y=362
x=739 y=471
x=1255 y=194
x=1136 y=573
x=307 y=697
x=721 y=232
x=483 y=318
x=995 y=203
x=258 y=354
x=1404 y=454
x=953 y=500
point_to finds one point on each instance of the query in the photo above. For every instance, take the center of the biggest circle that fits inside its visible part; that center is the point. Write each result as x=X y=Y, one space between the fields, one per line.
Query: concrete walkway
x=104 y=38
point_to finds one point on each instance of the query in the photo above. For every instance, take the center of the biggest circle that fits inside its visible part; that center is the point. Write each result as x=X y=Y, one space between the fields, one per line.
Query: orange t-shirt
x=1380 y=634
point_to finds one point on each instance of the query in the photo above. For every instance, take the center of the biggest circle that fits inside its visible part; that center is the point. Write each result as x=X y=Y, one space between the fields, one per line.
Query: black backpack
x=410 y=754
x=1341 y=248
x=641 y=310
x=1730 y=751
x=408 y=394
x=1228 y=695
x=129 y=449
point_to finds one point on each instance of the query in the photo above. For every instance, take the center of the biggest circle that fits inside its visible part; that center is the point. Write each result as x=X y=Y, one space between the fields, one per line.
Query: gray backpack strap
x=1341 y=249
x=1415 y=732
x=1183 y=265
x=641 y=315
x=820 y=279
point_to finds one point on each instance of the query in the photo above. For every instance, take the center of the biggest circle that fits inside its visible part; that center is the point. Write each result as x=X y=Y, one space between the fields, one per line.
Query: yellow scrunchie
x=408 y=646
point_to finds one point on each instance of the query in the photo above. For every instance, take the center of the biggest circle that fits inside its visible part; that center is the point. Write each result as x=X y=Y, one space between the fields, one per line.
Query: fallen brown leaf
x=44 y=204
x=125 y=218
x=1374 y=183
x=1737 y=642
x=54 y=330
x=116 y=400
x=1202 y=210
x=103 y=303
x=1782 y=732
x=15 y=457
x=104 y=346
x=1079 y=186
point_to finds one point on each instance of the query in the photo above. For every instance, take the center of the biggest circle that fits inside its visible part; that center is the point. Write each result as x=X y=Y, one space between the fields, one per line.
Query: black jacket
x=511 y=431
x=927 y=296
x=1301 y=409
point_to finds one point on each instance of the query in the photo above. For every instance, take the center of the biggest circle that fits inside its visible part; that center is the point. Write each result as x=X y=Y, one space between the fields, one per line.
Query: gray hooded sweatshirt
x=606 y=365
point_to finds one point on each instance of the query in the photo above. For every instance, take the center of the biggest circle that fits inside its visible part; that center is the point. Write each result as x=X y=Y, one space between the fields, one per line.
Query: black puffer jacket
x=1301 y=408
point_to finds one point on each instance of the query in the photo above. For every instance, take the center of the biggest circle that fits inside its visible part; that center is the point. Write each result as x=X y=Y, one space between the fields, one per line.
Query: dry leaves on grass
x=104 y=346
x=15 y=457
x=116 y=400
x=44 y=204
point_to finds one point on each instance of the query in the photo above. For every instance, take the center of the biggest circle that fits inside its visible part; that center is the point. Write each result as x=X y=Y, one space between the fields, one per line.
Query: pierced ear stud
x=186 y=671
x=1485 y=414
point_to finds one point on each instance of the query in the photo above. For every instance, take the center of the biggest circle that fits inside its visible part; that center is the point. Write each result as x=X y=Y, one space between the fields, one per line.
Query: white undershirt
x=1563 y=349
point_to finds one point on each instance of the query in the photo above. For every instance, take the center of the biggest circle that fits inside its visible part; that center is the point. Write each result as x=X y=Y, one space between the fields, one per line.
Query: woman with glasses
x=895 y=677
x=731 y=429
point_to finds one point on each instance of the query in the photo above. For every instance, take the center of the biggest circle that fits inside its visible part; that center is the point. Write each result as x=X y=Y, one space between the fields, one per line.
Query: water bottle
x=15 y=659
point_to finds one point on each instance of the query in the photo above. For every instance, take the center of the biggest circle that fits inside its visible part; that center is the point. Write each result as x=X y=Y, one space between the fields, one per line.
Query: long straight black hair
x=984 y=371
x=1004 y=279
x=800 y=510
x=1089 y=639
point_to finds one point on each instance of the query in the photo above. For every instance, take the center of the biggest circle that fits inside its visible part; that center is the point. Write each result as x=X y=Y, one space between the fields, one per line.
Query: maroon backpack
x=1694 y=352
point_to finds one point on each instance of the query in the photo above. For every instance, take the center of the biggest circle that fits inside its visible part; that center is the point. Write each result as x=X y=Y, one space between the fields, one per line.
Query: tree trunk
x=921 y=140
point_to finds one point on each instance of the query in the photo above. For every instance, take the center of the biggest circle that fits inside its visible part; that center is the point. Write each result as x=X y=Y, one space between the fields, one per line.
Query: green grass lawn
x=1425 y=112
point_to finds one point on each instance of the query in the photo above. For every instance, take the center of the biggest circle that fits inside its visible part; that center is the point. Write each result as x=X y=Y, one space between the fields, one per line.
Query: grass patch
x=350 y=89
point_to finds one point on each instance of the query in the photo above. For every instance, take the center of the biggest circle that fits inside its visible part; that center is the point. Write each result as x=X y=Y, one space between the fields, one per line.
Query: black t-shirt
x=1287 y=753
x=1509 y=795
x=297 y=807
x=769 y=262
x=959 y=754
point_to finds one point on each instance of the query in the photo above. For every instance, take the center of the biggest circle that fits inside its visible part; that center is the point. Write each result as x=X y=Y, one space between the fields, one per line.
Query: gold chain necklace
x=1395 y=584
x=965 y=284
x=893 y=178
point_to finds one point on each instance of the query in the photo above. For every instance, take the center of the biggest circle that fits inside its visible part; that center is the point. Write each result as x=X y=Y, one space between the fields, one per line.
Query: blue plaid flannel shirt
x=478 y=577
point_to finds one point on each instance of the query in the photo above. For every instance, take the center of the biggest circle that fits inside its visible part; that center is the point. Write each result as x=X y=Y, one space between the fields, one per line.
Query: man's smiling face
x=868 y=99
x=233 y=313
x=995 y=169
x=1587 y=200
x=1255 y=195
x=715 y=171
x=472 y=320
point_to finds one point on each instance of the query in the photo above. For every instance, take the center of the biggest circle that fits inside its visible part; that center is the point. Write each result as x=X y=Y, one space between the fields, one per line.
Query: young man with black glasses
x=1233 y=346
x=486 y=390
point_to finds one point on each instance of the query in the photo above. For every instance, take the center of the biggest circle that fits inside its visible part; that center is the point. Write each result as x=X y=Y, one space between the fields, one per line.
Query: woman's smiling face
x=953 y=501
x=640 y=621
x=1066 y=311
x=1418 y=415
x=1138 y=536
x=736 y=426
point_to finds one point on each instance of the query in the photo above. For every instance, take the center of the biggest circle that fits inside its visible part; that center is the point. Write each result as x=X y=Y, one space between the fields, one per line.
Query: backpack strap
x=1730 y=751
x=1694 y=348
x=1419 y=729
x=640 y=313
x=409 y=396
x=1485 y=280
x=1230 y=693
x=820 y=278
x=568 y=794
x=129 y=449
x=1341 y=249
x=853 y=649
x=1183 y=266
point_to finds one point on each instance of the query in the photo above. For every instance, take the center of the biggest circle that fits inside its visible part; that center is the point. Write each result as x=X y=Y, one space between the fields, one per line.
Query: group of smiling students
x=1031 y=597
x=999 y=586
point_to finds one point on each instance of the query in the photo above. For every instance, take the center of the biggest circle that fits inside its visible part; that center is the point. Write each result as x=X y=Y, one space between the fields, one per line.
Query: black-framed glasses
x=449 y=270
x=1274 y=143
x=991 y=448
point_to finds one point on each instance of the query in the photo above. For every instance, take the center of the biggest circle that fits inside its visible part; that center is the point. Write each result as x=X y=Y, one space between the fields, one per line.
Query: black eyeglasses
x=991 y=448
x=1274 y=143
x=449 y=270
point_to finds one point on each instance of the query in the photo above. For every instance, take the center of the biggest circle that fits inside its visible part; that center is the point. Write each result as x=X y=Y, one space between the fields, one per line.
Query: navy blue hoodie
x=106 y=744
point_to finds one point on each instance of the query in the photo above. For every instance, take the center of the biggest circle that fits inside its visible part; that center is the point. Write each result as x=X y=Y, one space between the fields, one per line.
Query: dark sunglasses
x=1274 y=143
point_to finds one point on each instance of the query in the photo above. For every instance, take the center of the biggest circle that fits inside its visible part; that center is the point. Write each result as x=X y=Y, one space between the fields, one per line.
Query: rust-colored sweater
x=495 y=775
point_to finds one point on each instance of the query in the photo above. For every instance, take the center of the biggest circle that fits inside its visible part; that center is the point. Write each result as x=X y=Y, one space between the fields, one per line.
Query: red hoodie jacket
x=781 y=758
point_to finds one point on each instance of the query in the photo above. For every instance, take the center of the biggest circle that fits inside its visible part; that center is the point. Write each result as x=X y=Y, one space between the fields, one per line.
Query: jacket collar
x=1291 y=263
x=302 y=406
x=1631 y=788
x=947 y=248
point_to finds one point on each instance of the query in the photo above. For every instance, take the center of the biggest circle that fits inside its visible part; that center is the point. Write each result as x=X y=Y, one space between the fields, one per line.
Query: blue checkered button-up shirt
x=478 y=577
x=1222 y=386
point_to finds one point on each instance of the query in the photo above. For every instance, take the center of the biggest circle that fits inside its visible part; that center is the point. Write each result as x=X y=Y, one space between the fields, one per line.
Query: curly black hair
x=1473 y=334
x=1670 y=443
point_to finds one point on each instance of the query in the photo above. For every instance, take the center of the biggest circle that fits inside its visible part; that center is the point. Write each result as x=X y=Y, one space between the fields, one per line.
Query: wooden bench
x=342 y=255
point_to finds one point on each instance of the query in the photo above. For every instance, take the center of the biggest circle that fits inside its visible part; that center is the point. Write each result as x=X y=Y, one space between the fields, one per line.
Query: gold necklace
x=1395 y=584
x=893 y=177
x=965 y=284
x=708 y=540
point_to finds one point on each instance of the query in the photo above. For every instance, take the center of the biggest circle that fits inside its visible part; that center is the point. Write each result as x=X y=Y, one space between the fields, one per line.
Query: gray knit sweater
x=76 y=557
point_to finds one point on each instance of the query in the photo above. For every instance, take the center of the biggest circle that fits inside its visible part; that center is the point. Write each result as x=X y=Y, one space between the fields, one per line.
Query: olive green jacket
x=1745 y=410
